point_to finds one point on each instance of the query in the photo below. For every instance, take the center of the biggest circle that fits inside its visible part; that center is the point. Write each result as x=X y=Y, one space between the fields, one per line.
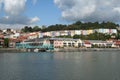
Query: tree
x=76 y=36
x=6 y=42
x=36 y=28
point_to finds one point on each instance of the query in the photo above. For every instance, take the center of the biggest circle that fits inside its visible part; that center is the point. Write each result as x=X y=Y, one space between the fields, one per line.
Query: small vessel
x=36 y=50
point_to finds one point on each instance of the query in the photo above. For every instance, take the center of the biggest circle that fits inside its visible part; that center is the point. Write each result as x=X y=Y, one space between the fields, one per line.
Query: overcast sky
x=15 y=13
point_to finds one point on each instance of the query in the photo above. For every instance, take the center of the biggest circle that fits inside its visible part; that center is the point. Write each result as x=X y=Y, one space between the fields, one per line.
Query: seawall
x=85 y=49
x=11 y=50
x=14 y=50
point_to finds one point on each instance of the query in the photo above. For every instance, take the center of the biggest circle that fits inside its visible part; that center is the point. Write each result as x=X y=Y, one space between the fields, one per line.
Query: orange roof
x=117 y=42
x=87 y=42
x=1 y=40
x=1 y=36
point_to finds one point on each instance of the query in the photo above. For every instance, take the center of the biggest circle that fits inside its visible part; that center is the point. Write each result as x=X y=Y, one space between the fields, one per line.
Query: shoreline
x=11 y=50
x=86 y=49
x=14 y=50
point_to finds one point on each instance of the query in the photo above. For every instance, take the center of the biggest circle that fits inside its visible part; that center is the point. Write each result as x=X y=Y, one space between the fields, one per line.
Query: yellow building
x=89 y=32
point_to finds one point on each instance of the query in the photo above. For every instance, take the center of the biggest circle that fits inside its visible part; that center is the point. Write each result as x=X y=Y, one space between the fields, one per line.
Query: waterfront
x=88 y=65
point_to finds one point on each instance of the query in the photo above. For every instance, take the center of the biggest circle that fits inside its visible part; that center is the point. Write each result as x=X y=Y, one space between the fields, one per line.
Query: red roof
x=1 y=36
x=1 y=40
x=19 y=39
x=87 y=42
x=117 y=42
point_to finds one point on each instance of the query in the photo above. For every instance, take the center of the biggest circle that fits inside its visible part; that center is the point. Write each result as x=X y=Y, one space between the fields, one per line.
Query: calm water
x=97 y=65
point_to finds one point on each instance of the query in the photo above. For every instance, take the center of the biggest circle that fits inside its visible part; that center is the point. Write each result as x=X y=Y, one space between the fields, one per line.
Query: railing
x=27 y=46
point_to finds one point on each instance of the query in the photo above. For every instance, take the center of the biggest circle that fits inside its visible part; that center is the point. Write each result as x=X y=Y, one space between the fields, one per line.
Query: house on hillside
x=106 y=31
x=33 y=35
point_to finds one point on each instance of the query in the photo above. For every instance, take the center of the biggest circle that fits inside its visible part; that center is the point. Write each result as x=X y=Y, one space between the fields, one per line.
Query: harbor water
x=82 y=65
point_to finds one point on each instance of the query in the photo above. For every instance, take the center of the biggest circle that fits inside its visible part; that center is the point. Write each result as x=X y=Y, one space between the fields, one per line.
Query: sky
x=18 y=13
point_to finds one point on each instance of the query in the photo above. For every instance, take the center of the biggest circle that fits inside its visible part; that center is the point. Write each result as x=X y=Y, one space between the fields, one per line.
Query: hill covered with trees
x=75 y=26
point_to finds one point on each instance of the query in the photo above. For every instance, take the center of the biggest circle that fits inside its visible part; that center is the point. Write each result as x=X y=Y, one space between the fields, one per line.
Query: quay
x=61 y=45
x=15 y=50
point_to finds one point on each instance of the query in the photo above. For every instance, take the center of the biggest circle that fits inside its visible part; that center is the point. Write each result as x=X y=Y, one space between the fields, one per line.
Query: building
x=106 y=31
x=33 y=35
x=78 y=32
x=1 y=41
x=66 y=42
x=101 y=44
x=117 y=43
x=57 y=42
x=38 y=43
x=14 y=41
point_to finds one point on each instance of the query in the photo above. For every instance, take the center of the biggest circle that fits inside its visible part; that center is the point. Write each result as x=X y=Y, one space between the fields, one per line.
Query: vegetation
x=6 y=42
x=30 y=29
x=94 y=36
x=64 y=36
x=75 y=26
x=79 y=26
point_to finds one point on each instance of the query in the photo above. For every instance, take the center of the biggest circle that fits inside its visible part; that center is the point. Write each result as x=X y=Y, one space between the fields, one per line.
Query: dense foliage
x=6 y=42
x=94 y=36
x=30 y=29
x=75 y=26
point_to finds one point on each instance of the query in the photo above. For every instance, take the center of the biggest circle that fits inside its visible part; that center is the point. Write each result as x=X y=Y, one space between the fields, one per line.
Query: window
x=69 y=44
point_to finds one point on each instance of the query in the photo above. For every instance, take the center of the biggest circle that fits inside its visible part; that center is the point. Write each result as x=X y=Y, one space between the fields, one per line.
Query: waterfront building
x=14 y=41
x=38 y=43
x=66 y=42
x=117 y=43
x=1 y=41
x=57 y=42
x=100 y=43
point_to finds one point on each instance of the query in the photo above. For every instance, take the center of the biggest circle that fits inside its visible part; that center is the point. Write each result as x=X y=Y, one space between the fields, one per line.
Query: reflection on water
x=60 y=66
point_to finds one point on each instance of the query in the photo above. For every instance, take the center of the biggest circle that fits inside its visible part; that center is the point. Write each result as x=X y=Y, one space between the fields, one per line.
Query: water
x=97 y=65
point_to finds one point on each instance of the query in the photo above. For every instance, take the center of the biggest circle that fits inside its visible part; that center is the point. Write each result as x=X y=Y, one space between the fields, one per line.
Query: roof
x=35 y=40
x=63 y=39
x=97 y=41
x=86 y=42
x=117 y=42
x=1 y=40
x=1 y=36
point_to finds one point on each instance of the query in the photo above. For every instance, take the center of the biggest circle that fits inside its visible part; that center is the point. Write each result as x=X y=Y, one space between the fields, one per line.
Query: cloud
x=18 y=20
x=14 y=12
x=89 y=10
x=14 y=7
x=33 y=20
x=0 y=4
x=34 y=2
